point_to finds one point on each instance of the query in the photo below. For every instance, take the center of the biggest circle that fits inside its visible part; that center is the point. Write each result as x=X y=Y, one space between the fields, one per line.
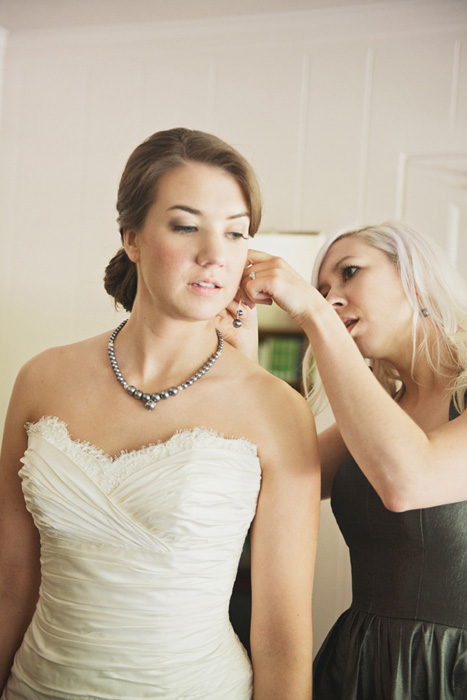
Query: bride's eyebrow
x=197 y=212
x=239 y=216
x=183 y=207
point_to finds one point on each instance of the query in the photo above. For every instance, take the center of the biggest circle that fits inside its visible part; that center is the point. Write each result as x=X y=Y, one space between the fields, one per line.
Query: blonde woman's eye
x=349 y=271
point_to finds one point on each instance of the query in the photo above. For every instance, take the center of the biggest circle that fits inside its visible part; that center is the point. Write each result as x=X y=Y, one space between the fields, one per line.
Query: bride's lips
x=205 y=286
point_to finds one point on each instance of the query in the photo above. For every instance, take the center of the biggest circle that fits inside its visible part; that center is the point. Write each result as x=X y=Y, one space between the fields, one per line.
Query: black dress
x=405 y=635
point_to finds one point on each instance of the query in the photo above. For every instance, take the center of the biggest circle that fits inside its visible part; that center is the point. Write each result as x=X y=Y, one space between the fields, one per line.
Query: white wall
x=340 y=111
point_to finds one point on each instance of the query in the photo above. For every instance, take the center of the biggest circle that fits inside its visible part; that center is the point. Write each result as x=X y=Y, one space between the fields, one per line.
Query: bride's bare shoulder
x=258 y=385
x=53 y=358
x=60 y=366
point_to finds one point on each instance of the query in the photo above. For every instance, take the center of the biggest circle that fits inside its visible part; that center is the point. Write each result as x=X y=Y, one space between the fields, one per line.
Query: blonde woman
x=386 y=318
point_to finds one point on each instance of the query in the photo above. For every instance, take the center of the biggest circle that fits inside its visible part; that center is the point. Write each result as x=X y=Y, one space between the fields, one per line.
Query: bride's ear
x=131 y=244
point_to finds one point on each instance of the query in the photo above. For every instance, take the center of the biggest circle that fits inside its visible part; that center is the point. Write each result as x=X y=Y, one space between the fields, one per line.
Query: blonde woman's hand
x=244 y=338
x=271 y=278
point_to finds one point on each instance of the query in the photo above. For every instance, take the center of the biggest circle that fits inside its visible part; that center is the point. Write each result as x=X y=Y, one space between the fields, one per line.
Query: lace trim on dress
x=109 y=471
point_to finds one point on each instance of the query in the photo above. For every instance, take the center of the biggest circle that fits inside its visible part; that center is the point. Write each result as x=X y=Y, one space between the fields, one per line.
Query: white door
x=432 y=196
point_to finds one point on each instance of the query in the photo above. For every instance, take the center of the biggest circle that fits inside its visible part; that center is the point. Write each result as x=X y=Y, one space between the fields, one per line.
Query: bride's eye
x=236 y=235
x=179 y=228
x=348 y=271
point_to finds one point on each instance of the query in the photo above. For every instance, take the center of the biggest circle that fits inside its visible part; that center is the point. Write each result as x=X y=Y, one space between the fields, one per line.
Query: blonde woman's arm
x=408 y=467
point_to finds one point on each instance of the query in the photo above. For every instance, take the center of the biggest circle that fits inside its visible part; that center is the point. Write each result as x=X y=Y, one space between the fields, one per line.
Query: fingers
x=268 y=278
x=256 y=256
x=257 y=277
x=251 y=290
x=263 y=262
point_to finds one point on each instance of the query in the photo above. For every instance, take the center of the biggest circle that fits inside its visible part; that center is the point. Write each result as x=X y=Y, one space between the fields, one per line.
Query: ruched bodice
x=139 y=554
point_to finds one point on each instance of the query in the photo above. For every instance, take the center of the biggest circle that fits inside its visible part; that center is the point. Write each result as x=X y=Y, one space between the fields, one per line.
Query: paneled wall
x=349 y=116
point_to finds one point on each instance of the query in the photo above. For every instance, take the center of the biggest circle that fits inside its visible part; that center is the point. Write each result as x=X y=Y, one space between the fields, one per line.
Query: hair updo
x=157 y=155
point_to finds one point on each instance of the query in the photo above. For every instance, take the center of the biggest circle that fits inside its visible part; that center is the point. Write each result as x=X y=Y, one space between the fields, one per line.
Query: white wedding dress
x=139 y=554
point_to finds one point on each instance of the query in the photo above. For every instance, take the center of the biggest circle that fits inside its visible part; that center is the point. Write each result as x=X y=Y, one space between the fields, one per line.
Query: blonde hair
x=430 y=283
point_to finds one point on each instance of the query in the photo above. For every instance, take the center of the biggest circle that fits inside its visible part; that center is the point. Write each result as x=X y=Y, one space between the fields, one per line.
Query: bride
x=134 y=462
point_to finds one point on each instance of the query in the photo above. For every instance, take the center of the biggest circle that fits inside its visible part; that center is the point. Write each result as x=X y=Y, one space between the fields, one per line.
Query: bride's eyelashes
x=181 y=228
x=190 y=228
x=236 y=235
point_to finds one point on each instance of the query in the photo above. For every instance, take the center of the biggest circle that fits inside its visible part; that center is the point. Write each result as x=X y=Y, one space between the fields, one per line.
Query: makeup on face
x=195 y=239
x=364 y=287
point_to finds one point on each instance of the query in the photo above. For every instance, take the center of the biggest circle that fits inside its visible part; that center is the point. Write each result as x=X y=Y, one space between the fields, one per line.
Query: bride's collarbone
x=87 y=397
x=115 y=422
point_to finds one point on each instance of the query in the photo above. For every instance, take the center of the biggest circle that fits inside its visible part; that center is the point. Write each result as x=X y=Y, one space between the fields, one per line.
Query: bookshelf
x=281 y=353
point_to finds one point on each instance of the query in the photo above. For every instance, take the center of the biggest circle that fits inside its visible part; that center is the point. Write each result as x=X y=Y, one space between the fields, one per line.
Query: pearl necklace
x=151 y=400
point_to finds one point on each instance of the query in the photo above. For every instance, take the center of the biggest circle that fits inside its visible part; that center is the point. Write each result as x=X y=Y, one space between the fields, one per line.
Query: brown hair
x=157 y=155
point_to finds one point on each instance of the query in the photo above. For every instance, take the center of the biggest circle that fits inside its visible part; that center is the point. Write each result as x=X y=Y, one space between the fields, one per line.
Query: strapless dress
x=139 y=554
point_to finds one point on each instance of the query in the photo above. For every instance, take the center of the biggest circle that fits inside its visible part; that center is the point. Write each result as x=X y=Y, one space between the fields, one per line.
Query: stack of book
x=282 y=356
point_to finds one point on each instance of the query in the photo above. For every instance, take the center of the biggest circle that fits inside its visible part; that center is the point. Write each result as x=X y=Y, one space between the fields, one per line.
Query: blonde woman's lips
x=350 y=323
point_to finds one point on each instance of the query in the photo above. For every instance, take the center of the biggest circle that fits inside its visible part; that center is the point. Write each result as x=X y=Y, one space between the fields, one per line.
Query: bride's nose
x=211 y=250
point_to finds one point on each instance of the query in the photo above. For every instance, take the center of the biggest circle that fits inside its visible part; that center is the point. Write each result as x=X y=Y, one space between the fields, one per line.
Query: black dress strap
x=453 y=412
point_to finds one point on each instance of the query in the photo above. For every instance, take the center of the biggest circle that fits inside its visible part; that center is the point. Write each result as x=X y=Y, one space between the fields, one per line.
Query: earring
x=236 y=323
x=425 y=312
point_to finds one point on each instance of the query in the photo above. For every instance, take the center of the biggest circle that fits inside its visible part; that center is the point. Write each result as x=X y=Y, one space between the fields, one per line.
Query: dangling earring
x=425 y=312
x=236 y=323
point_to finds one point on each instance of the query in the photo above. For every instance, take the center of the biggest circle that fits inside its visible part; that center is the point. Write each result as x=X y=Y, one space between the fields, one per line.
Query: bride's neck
x=149 y=349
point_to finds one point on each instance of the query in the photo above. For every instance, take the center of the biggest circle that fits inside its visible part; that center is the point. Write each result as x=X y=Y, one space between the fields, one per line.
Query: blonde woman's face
x=364 y=287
